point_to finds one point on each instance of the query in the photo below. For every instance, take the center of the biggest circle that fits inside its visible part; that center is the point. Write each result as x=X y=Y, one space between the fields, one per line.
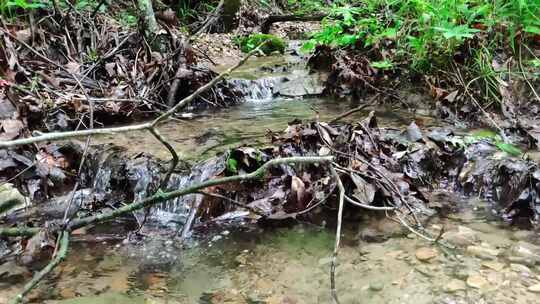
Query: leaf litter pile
x=54 y=71
x=77 y=71
x=383 y=170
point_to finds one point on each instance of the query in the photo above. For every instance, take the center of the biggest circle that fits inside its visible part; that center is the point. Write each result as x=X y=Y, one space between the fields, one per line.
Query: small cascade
x=177 y=210
x=258 y=90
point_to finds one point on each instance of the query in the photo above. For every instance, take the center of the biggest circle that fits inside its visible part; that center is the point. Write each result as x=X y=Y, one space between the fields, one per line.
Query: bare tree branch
x=164 y=196
x=60 y=256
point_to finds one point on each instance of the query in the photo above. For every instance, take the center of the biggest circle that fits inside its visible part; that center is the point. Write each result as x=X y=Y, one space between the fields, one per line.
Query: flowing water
x=291 y=265
x=245 y=264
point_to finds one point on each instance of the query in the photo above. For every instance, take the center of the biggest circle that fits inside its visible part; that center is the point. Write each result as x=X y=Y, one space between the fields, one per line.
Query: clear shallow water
x=291 y=265
x=246 y=123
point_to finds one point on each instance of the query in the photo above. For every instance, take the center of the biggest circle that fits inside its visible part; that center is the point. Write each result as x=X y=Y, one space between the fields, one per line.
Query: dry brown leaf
x=364 y=192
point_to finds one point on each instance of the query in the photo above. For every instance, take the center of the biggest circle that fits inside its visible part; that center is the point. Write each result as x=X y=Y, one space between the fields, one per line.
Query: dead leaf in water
x=364 y=192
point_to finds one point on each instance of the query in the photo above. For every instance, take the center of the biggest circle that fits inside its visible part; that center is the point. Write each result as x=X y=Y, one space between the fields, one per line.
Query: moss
x=274 y=44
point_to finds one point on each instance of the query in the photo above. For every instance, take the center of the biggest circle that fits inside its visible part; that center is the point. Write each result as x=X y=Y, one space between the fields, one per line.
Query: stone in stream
x=462 y=237
x=455 y=285
x=493 y=265
x=10 y=197
x=520 y=268
x=525 y=251
x=534 y=288
x=477 y=281
x=376 y=286
x=426 y=254
x=306 y=85
x=483 y=252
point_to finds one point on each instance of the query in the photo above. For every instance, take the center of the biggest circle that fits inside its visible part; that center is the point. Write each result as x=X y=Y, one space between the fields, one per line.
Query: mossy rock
x=274 y=44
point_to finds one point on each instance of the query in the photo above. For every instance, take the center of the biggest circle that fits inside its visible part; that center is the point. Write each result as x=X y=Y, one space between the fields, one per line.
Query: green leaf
x=308 y=46
x=346 y=40
x=383 y=65
x=532 y=29
x=390 y=33
x=484 y=134
x=232 y=165
x=535 y=63
x=458 y=32
x=509 y=148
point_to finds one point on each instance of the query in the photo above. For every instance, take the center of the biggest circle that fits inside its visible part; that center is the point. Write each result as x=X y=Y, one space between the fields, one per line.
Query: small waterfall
x=177 y=210
x=257 y=90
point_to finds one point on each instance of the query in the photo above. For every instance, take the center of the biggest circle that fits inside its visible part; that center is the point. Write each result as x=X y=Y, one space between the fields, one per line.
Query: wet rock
x=376 y=286
x=223 y=296
x=455 y=285
x=519 y=268
x=413 y=132
x=424 y=270
x=325 y=261
x=10 y=270
x=493 y=265
x=426 y=254
x=280 y=300
x=523 y=235
x=477 y=281
x=264 y=285
x=483 y=252
x=380 y=231
x=534 y=288
x=308 y=85
x=241 y=259
x=462 y=273
x=462 y=237
x=525 y=251
x=10 y=197
x=372 y=235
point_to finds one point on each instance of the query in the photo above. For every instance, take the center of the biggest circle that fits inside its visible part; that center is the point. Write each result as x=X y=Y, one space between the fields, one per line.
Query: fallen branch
x=341 y=189
x=60 y=256
x=370 y=103
x=161 y=196
x=149 y=125
x=211 y=19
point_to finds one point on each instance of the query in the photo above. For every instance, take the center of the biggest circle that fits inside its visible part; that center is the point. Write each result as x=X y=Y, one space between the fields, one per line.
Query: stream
x=378 y=262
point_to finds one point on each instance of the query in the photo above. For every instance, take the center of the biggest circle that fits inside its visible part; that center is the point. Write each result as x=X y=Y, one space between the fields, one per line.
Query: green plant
x=92 y=55
x=495 y=139
x=7 y=6
x=382 y=65
x=268 y=43
x=127 y=19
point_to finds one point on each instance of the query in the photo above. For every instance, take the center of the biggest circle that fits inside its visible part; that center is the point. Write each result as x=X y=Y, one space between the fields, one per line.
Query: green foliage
x=127 y=19
x=231 y=165
x=188 y=11
x=7 y=7
x=382 y=65
x=494 y=139
x=271 y=43
x=425 y=33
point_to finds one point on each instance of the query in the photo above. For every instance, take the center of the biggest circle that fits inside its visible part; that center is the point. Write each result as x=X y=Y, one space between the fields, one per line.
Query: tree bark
x=146 y=13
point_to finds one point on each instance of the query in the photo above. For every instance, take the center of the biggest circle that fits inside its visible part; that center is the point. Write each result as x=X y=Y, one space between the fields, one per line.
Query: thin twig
x=165 y=196
x=233 y=202
x=341 y=189
x=162 y=118
x=60 y=256
x=370 y=102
